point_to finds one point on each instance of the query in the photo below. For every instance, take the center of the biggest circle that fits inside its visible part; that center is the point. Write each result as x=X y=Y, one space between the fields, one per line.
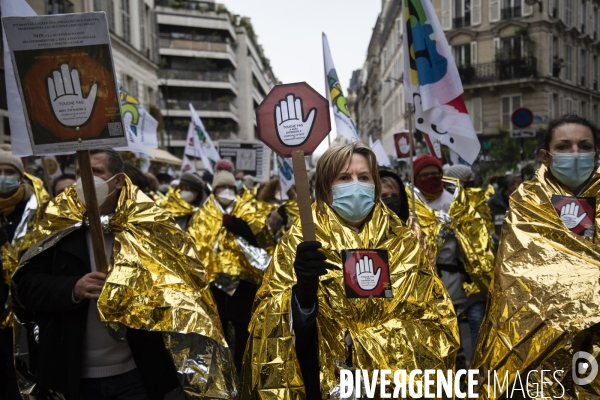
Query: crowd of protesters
x=277 y=314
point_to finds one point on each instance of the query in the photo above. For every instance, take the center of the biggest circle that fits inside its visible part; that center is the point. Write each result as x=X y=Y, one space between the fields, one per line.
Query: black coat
x=498 y=204
x=43 y=289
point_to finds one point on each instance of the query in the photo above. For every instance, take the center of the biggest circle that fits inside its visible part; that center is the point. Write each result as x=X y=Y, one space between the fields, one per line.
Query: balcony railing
x=511 y=12
x=201 y=105
x=187 y=5
x=208 y=76
x=500 y=70
x=187 y=44
x=461 y=22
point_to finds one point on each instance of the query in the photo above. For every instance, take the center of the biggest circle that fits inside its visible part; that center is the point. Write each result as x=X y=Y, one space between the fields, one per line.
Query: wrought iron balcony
x=208 y=76
x=500 y=70
x=511 y=12
x=461 y=22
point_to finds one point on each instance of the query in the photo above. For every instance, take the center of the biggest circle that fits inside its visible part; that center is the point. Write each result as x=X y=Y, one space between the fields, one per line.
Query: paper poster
x=251 y=157
x=366 y=273
x=578 y=213
x=65 y=74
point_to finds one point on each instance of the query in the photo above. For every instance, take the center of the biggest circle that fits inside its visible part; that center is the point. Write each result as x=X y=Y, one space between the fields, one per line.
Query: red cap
x=426 y=160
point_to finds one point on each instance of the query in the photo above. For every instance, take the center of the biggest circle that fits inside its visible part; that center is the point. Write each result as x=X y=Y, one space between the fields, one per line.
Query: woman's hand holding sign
x=68 y=104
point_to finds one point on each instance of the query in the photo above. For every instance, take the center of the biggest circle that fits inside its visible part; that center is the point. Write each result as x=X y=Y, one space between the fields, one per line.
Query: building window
x=595 y=73
x=551 y=106
x=142 y=12
x=582 y=67
x=509 y=105
x=125 y=20
x=511 y=48
x=583 y=109
x=511 y=9
x=462 y=14
x=596 y=116
x=569 y=107
x=108 y=7
x=568 y=62
x=462 y=54
x=59 y=7
x=569 y=12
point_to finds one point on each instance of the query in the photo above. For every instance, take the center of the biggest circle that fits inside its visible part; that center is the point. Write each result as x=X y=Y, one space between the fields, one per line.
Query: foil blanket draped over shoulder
x=219 y=249
x=416 y=328
x=155 y=282
x=478 y=199
x=23 y=239
x=174 y=204
x=545 y=295
x=470 y=230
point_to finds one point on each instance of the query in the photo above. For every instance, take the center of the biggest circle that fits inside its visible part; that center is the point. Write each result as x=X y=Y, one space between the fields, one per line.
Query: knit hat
x=458 y=171
x=207 y=177
x=191 y=180
x=425 y=160
x=223 y=174
x=6 y=157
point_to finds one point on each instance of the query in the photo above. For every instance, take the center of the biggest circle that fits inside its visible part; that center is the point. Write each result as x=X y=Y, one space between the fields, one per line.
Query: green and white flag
x=343 y=122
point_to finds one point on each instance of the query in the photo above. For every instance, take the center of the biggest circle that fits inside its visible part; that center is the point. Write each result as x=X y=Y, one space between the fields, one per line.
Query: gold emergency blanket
x=219 y=249
x=174 y=204
x=470 y=230
x=155 y=282
x=545 y=296
x=478 y=199
x=11 y=252
x=417 y=328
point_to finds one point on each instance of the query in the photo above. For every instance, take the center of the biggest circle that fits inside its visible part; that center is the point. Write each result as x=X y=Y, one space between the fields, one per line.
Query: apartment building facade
x=211 y=59
x=510 y=54
x=134 y=44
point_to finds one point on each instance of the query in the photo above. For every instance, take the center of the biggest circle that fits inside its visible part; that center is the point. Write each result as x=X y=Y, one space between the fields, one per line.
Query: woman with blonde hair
x=362 y=295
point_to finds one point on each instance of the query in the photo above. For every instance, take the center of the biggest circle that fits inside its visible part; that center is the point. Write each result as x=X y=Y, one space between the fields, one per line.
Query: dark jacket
x=43 y=290
x=498 y=205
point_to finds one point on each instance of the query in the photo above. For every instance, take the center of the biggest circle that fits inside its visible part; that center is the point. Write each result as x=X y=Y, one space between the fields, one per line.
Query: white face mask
x=101 y=190
x=187 y=196
x=226 y=197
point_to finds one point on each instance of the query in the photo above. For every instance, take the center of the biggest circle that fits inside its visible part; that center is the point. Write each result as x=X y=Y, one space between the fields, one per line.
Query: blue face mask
x=353 y=201
x=164 y=188
x=572 y=169
x=239 y=185
x=8 y=184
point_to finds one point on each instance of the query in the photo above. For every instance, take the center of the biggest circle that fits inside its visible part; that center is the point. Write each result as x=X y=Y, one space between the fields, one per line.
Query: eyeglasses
x=428 y=174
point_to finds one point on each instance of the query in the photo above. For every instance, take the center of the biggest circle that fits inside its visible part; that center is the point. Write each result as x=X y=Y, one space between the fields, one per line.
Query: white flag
x=343 y=122
x=140 y=122
x=187 y=165
x=145 y=167
x=194 y=149
x=286 y=173
x=204 y=139
x=21 y=144
x=432 y=82
x=382 y=157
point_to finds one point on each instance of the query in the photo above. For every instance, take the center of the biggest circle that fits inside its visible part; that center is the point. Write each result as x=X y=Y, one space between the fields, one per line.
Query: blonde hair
x=331 y=163
x=391 y=182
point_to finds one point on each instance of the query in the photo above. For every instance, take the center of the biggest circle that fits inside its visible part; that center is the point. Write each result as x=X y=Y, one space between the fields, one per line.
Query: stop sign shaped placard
x=293 y=117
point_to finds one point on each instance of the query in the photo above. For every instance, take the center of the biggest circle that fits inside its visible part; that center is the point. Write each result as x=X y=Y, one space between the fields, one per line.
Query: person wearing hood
x=362 y=295
x=183 y=201
x=499 y=202
x=393 y=193
x=465 y=258
x=235 y=241
x=22 y=203
x=543 y=314
x=134 y=331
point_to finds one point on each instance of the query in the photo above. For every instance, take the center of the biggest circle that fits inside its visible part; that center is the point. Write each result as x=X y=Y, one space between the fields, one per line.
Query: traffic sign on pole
x=523 y=133
x=522 y=118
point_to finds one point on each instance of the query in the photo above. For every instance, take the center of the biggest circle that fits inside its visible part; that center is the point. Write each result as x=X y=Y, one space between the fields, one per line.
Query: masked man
x=137 y=332
x=22 y=201
x=458 y=239
x=184 y=200
x=234 y=240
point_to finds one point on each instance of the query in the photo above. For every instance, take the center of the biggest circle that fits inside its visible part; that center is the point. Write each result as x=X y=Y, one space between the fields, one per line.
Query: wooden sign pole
x=302 y=190
x=47 y=179
x=93 y=213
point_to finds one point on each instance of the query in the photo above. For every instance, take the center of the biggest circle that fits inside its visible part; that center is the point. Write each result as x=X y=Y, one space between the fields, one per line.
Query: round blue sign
x=522 y=118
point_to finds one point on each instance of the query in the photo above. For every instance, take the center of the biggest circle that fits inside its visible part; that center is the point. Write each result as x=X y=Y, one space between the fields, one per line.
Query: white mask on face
x=226 y=197
x=101 y=190
x=187 y=196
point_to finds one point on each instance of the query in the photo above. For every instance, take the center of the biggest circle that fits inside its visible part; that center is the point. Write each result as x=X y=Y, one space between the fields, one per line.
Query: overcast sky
x=290 y=33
